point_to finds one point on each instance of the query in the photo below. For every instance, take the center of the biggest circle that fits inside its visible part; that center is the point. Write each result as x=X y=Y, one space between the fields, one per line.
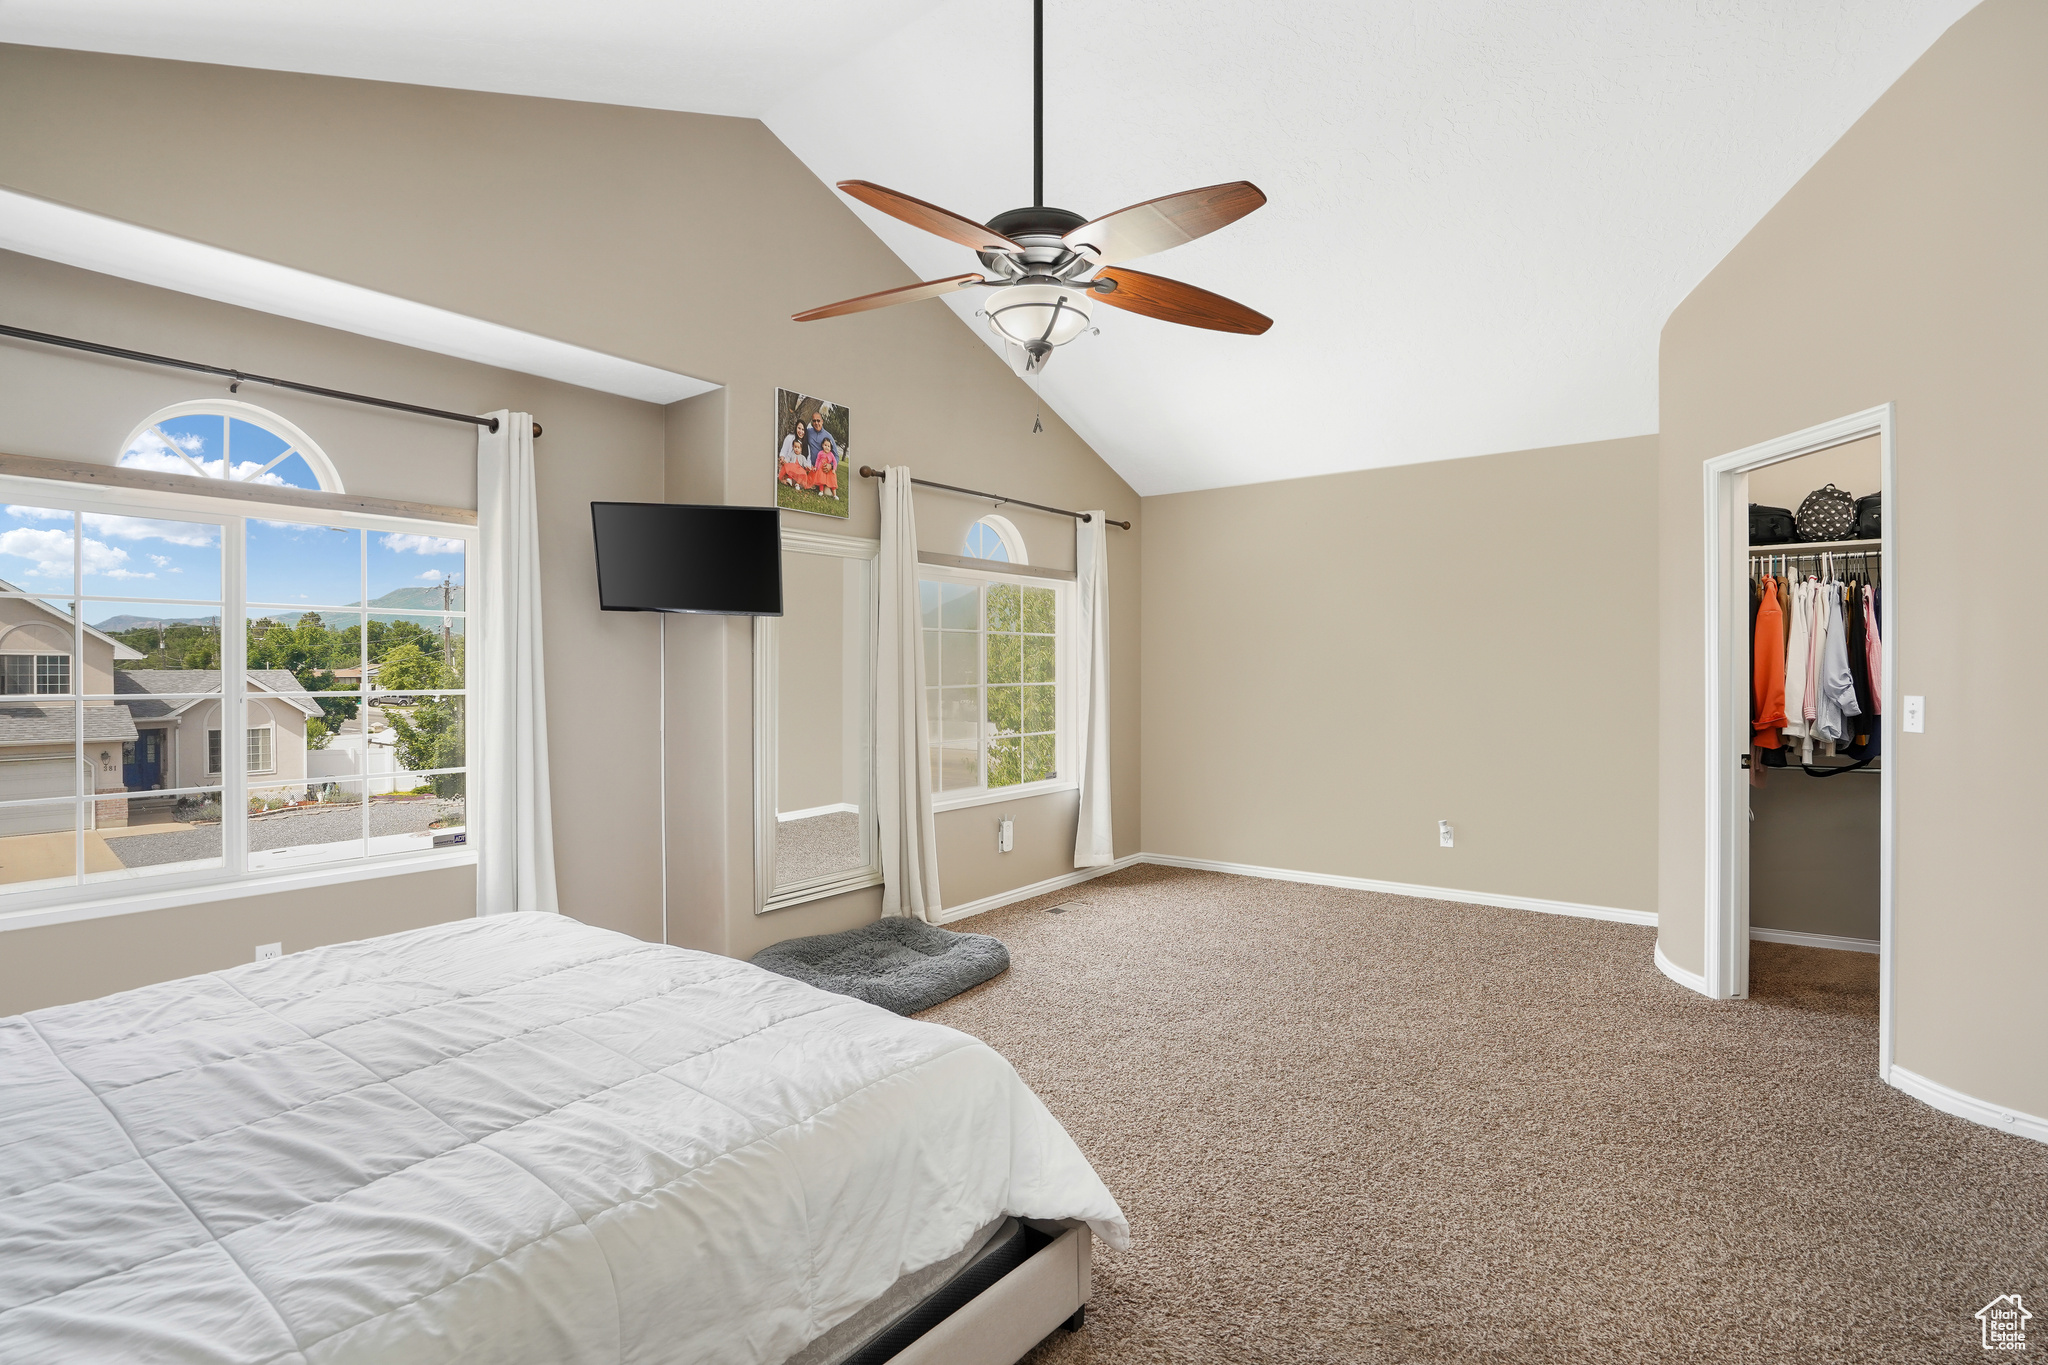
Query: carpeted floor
x=1354 y=1127
x=817 y=845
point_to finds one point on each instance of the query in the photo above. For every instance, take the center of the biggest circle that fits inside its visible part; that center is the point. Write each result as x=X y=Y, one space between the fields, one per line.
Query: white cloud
x=400 y=543
x=431 y=576
x=160 y=561
x=50 y=553
x=150 y=452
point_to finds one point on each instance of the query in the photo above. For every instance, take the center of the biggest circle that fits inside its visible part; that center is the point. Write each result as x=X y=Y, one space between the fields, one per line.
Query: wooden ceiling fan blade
x=1171 y=301
x=1165 y=222
x=909 y=293
x=952 y=226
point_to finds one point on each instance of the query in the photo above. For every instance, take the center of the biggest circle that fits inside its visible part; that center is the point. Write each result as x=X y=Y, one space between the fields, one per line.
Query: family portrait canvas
x=811 y=454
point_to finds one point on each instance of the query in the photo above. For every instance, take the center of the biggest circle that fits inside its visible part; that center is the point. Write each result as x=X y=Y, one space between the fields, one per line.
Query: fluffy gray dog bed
x=904 y=965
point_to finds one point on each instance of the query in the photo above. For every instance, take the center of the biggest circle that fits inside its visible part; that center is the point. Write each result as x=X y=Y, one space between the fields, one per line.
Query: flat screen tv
x=666 y=556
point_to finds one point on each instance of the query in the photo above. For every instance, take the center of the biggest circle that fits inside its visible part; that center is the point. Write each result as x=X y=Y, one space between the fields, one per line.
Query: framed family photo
x=812 y=472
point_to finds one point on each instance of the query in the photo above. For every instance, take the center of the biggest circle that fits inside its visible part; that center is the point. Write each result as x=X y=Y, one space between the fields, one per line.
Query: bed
x=508 y=1140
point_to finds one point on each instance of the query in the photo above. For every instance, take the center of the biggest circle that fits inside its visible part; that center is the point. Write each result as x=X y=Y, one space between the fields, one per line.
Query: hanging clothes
x=1799 y=645
x=1767 y=660
x=1874 y=659
x=1837 y=700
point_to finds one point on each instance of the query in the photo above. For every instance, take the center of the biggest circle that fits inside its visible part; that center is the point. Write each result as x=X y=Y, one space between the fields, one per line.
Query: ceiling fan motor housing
x=1034 y=308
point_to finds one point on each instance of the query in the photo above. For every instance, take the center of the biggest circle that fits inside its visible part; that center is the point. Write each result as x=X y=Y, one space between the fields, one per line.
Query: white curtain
x=1093 y=846
x=511 y=816
x=903 y=775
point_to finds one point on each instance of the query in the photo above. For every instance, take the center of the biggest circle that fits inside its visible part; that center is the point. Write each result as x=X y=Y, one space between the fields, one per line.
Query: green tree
x=408 y=668
x=431 y=737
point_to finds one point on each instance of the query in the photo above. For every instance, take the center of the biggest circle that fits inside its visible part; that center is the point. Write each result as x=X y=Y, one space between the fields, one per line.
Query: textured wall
x=1332 y=665
x=1906 y=267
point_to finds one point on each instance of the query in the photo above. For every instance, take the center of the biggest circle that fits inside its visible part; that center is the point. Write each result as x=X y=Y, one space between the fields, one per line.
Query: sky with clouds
x=141 y=560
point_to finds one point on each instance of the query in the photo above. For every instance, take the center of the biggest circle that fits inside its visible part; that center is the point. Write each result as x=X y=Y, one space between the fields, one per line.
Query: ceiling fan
x=1039 y=259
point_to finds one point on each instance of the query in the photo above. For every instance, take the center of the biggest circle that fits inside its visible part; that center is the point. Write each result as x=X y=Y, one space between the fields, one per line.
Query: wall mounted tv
x=666 y=556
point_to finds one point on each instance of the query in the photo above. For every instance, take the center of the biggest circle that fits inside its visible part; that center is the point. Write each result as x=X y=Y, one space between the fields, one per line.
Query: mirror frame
x=767 y=733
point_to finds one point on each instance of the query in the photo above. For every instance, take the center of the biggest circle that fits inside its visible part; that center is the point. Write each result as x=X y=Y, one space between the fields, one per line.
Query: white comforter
x=507 y=1140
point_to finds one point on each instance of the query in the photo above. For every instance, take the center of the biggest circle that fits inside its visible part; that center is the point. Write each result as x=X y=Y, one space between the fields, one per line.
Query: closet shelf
x=1800 y=549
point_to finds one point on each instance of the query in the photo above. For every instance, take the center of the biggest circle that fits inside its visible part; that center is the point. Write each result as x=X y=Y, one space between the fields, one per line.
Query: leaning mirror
x=814 y=820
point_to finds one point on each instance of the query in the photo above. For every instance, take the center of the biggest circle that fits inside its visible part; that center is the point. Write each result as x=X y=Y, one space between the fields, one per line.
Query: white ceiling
x=1481 y=213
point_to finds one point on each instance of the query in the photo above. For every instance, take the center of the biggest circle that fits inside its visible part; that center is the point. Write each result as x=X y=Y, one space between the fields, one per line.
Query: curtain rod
x=240 y=378
x=869 y=472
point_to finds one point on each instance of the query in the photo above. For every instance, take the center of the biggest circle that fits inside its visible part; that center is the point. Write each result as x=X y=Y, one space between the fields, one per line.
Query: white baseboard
x=1692 y=981
x=1044 y=888
x=1433 y=893
x=783 y=817
x=1968 y=1107
x=1804 y=940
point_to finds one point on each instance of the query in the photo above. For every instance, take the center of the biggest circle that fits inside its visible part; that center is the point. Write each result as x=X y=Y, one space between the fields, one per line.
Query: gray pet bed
x=904 y=965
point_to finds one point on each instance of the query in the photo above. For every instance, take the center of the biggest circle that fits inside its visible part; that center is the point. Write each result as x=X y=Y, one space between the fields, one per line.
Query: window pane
x=411 y=572
x=1038 y=658
x=958 y=666
x=39 y=755
x=928 y=604
x=959 y=606
x=1002 y=606
x=417 y=653
x=257 y=456
x=295 y=564
x=1039 y=713
x=151 y=557
x=416 y=822
x=421 y=733
x=36 y=550
x=143 y=836
x=960 y=767
x=295 y=823
x=1004 y=659
x=1039 y=760
x=17 y=674
x=262 y=749
x=1004 y=768
x=1039 y=609
x=176 y=445
x=152 y=636
x=1004 y=711
x=38 y=845
x=931 y=658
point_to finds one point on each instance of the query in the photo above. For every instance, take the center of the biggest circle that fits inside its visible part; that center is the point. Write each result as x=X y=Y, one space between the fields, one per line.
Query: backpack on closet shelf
x=1870 y=516
x=1827 y=514
x=1769 y=525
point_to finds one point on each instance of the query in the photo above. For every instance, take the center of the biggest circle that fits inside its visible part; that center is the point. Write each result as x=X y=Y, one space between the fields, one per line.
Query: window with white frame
x=995 y=538
x=992 y=694
x=188 y=617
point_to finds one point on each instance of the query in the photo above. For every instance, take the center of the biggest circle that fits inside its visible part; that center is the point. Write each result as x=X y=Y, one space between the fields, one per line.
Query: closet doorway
x=1829 y=449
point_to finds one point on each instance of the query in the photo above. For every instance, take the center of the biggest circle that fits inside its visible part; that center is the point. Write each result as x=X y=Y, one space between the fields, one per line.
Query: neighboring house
x=160 y=730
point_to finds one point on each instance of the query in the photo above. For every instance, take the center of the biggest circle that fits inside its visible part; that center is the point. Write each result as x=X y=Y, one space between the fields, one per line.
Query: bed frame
x=1000 y=1325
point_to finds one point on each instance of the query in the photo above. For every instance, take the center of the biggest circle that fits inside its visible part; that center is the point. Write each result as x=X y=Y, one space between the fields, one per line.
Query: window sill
x=216 y=888
x=940 y=805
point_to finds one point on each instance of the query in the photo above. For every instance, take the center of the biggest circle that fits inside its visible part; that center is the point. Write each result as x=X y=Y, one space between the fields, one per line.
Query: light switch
x=1916 y=715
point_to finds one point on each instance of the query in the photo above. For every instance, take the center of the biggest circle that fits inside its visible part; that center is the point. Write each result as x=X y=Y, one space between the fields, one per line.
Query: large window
x=992 y=694
x=137 y=628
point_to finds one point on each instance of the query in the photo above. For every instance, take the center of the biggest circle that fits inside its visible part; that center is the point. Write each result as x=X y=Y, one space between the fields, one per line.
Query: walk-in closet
x=1816 y=580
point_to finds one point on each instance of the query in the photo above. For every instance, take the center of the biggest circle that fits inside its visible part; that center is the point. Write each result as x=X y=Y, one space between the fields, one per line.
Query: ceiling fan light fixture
x=1039 y=314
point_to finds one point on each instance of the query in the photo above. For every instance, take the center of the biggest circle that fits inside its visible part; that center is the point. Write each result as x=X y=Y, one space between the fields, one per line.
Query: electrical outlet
x=1006 y=834
x=269 y=952
x=1443 y=833
x=1916 y=715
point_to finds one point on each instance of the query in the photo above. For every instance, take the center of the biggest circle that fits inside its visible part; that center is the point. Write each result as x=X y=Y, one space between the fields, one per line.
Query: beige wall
x=683 y=241
x=1855 y=467
x=1906 y=267
x=64 y=405
x=1332 y=665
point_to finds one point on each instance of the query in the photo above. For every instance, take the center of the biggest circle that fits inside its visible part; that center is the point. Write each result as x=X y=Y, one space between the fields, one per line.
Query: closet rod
x=870 y=472
x=239 y=377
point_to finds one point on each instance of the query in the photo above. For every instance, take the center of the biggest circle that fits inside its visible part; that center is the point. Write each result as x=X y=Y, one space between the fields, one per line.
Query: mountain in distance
x=426 y=597
x=114 y=625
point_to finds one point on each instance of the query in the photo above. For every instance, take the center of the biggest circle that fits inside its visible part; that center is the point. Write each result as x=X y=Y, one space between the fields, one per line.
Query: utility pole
x=447 y=636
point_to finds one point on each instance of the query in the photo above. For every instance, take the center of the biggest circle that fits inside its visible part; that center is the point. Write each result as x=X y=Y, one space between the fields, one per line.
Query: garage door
x=22 y=779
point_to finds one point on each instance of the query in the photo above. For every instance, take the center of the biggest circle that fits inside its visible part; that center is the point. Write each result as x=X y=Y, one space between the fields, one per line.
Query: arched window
x=995 y=538
x=225 y=439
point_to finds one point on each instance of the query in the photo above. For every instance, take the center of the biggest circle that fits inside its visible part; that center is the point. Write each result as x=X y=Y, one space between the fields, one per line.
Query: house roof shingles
x=54 y=724
x=149 y=683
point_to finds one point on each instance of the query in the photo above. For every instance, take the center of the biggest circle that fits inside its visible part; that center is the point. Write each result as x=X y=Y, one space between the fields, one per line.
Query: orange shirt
x=1767 y=669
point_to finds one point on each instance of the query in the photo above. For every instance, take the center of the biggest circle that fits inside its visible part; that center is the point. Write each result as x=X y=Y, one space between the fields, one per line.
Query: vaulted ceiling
x=1480 y=213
